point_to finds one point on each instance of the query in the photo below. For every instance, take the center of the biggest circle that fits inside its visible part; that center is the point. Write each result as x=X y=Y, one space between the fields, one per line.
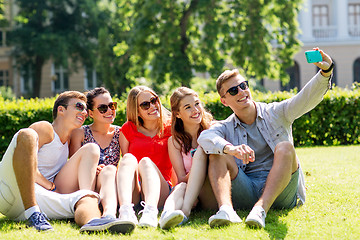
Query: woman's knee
x=108 y=171
x=145 y=163
x=92 y=149
x=128 y=159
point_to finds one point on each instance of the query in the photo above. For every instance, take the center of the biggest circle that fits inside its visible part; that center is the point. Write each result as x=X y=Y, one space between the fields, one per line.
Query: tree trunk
x=39 y=63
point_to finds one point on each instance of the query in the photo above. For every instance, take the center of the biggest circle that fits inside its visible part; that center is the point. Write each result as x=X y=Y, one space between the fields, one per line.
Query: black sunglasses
x=80 y=107
x=103 y=107
x=146 y=105
x=235 y=90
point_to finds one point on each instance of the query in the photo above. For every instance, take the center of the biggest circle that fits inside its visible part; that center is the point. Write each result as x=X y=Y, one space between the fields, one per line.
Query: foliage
x=333 y=122
x=331 y=210
x=3 y=20
x=167 y=40
x=57 y=30
x=6 y=92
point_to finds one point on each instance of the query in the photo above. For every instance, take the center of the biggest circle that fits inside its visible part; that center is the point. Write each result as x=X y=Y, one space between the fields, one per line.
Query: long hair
x=177 y=125
x=132 y=109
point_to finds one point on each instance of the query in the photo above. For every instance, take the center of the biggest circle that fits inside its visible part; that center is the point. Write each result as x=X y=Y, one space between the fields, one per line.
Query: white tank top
x=52 y=157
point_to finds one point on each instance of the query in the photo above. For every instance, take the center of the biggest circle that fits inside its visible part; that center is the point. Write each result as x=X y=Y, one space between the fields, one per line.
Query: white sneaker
x=127 y=213
x=256 y=217
x=149 y=216
x=171 y=219
x=223 y=218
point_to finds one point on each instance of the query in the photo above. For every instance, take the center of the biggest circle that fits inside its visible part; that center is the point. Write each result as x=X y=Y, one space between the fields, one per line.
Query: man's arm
x=311 y=94
x=213 y=140
x=45 y=135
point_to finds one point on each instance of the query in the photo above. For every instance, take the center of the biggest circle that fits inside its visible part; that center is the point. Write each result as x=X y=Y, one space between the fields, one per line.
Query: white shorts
x=54 y=205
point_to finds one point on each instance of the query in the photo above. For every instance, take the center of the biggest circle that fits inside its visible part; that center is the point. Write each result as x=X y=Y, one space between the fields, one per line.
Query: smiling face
x=153 y=112
x=74 y=113
x=241 y=100
x=190 y=110
x=109 y=116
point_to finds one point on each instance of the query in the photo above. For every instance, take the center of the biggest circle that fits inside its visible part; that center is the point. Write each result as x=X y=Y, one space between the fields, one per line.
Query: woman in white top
x=189 y=119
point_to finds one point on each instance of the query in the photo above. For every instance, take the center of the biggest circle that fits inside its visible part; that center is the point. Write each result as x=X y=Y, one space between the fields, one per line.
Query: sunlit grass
x=331 y=210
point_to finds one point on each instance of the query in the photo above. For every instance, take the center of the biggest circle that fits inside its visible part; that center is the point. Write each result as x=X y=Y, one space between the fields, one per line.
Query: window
x=91 y=78
x=294 y=73
x=354 y=19
x=354 y=13
x=26 y=79
x=357 y=70
x=320 y=15
x=60 y=79
x=4 y=78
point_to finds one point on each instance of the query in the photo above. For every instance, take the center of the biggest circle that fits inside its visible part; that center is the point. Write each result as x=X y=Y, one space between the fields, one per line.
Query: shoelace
x=146 y=208
x=261 y=214
x=39 y=218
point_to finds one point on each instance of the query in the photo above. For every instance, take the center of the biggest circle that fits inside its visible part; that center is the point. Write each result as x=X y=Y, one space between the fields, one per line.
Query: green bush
x=333 y=122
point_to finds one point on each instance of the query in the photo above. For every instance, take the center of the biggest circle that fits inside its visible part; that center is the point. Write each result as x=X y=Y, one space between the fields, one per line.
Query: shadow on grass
x=274 y=226
x=8 y=225
x=11 y=225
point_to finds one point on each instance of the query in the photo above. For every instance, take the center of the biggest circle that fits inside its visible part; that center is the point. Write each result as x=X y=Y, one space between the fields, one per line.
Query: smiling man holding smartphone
x=252 y=163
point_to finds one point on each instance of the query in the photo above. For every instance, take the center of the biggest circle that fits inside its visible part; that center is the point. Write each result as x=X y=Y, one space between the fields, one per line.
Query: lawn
x=331 y=211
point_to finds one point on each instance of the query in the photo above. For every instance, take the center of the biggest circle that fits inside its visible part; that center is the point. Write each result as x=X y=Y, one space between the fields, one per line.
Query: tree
x=170 y=39
x=56 y=29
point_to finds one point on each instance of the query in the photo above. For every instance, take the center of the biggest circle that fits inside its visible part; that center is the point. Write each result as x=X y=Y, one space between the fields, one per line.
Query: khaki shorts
x=54 y=205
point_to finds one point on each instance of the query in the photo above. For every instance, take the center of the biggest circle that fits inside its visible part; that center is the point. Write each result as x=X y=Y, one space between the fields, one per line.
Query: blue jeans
x=246 y=190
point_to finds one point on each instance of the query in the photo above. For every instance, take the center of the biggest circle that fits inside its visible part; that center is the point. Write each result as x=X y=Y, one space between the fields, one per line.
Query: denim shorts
x=246 y=190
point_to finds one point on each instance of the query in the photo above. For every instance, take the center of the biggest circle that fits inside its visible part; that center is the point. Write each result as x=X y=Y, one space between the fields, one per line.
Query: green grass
x=331 y=211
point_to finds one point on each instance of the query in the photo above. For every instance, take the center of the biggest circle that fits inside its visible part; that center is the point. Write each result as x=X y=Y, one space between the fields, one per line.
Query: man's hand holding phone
x=325 y=63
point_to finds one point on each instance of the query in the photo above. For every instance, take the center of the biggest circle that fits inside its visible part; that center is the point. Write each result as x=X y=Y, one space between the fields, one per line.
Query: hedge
x=333 y=122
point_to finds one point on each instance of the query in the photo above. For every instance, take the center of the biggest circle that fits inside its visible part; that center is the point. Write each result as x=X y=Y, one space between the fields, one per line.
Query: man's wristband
x=329 y=69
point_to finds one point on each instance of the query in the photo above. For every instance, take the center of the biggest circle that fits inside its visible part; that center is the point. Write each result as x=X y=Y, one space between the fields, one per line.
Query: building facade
x=334 y=26
x=55 y=79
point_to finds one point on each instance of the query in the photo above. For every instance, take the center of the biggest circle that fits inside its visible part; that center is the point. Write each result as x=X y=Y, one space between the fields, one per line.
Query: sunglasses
x=103 y=107
x=80 y=107
x=146 y=105
x=235 y=90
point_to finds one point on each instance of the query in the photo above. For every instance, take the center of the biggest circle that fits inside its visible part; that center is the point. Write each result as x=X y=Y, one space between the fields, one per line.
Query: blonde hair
x=224 y=77
x=177 y=126
x=132 y=109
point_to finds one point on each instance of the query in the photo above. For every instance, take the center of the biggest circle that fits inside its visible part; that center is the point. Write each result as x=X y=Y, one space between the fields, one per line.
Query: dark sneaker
x=39 y=221
x=112 y=225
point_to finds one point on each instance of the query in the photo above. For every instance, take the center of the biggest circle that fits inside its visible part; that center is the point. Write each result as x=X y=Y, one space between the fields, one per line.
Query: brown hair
x=177 y=126
x=132 y=109
x=90 y=95
x=63 y=100
x=226 y=75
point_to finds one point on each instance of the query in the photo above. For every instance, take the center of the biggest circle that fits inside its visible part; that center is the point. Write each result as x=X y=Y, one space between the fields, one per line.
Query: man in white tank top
x=38 y=181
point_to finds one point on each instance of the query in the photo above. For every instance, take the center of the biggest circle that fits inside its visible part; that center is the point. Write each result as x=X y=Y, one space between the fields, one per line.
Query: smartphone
x=313 y=56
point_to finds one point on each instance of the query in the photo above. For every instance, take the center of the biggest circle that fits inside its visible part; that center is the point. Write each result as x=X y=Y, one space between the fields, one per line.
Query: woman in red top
x=145 y=167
